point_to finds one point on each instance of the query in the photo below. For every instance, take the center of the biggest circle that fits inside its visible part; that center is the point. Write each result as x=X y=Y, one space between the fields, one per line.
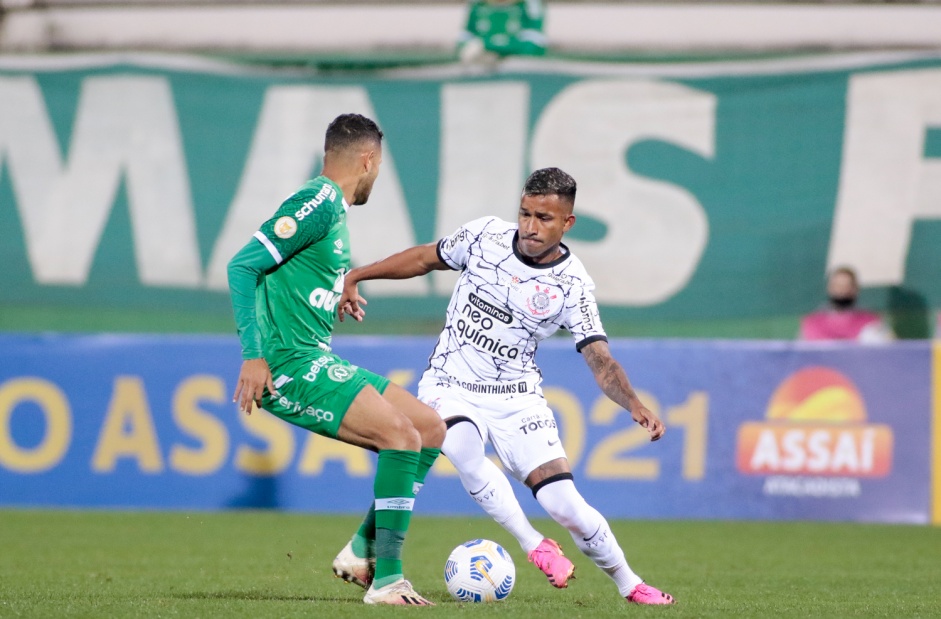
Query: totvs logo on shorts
x=816 y=426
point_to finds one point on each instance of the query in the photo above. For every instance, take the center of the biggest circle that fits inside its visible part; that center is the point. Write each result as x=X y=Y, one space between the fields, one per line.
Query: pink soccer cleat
x=645 y=594
x=549 y=558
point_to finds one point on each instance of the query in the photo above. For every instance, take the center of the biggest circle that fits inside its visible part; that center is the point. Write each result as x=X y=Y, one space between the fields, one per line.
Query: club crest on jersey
x=539 y=302
x=285 y=227
x=339 y=373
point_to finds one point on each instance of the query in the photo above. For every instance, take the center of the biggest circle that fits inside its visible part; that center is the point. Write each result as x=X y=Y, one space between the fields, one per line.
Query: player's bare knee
x=433 y=436
x=413 y=438
x=400 y=434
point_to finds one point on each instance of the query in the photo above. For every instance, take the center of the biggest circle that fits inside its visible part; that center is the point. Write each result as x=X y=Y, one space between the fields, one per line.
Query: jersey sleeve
x=582 y=318
x=302 y=220
x=454 y=250
x=245 y=271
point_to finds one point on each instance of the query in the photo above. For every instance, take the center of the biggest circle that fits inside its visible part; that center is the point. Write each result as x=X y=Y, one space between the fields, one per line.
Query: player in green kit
x=285 y=285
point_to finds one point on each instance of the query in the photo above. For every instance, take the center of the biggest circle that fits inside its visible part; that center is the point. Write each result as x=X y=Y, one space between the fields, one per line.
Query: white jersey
x=502 y=307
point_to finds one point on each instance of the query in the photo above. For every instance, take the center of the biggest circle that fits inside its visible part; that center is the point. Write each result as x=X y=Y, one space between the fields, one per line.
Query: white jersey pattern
x=503 y=307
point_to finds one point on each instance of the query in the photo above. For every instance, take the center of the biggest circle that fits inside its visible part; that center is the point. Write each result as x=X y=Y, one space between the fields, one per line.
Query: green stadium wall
x=713 y=196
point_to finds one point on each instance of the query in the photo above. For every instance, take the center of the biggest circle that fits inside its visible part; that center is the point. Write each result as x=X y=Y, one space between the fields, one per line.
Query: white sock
x=487 y=484
x=590 y=531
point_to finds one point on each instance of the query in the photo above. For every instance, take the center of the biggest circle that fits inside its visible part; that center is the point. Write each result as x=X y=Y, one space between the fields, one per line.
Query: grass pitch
x=270 y=564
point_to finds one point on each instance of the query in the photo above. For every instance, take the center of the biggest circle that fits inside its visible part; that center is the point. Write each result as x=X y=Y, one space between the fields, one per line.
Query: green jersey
x=507 y=28
x=295 y=301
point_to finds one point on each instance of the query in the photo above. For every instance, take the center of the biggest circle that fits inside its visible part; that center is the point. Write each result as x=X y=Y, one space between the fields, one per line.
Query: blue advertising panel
x=756 y=430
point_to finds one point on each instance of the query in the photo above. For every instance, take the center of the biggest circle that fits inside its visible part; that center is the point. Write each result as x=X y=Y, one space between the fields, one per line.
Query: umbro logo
x=395 y=504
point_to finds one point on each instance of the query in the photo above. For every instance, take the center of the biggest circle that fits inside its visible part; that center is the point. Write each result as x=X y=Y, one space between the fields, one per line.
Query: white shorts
x=521 y=429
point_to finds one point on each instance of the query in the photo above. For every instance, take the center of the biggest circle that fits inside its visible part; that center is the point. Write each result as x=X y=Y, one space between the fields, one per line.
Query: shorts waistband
x=508 y=388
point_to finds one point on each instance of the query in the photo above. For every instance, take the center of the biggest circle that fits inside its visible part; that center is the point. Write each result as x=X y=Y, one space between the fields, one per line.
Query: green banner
x=712 y=197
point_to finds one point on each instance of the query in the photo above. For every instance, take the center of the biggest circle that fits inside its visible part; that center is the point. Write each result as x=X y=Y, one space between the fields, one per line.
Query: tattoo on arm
x=609 y=375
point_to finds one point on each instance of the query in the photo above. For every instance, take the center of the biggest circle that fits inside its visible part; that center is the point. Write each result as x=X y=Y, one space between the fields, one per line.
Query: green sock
x=426 y=459
x=395 y=479
x=364 y=540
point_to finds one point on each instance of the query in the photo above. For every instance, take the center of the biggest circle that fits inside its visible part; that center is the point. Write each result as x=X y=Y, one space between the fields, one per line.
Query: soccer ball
x=479 y=571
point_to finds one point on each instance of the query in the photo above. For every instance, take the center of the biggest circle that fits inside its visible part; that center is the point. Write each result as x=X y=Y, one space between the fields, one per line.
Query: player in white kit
x=518 y=285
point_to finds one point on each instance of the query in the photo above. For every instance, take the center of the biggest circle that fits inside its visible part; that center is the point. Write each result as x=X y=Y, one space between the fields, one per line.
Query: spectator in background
x=841 y=319
x=499 y=28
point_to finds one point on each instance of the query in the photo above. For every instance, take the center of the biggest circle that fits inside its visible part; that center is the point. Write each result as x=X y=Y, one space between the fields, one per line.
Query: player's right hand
x=350 y=301
x=253 y=378
x=649 y=420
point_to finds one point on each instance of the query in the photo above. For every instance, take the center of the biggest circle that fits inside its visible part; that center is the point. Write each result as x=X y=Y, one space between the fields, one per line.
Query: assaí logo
x=815 y=440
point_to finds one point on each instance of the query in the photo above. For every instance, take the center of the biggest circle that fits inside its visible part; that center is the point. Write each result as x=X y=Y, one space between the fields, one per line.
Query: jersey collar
x=548 y=265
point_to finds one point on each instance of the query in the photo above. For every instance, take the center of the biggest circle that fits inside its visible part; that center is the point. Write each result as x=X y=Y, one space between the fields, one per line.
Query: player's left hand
x=648 y=419
x=254 y=378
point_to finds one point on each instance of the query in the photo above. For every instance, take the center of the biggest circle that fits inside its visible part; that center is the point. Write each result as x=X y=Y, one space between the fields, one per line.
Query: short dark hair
x=349 y=129
x=550 y=181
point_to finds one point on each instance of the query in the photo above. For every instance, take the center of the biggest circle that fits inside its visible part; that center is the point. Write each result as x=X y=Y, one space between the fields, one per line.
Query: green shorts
x=315 y=393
